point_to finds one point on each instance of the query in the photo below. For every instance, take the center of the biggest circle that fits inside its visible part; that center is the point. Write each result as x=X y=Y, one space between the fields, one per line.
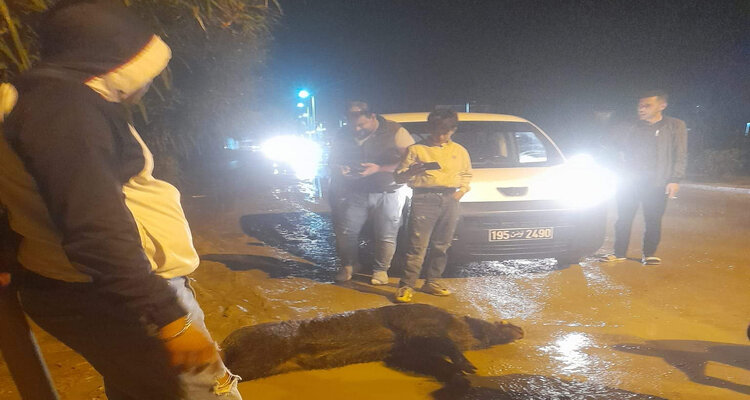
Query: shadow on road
x=274 y=267
x=692 y=356
x=361 y=283
x=304 y=234
x=524 y=387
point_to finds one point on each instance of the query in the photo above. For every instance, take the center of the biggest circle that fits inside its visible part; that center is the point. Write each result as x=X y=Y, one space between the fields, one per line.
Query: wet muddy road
x=593 y=331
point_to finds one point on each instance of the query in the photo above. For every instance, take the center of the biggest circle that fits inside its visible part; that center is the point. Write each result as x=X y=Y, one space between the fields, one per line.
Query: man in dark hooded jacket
x=105 y=247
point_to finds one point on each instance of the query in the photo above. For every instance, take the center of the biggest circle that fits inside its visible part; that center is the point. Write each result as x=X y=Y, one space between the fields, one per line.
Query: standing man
x=105 y=247
x=652 y=155
x=362 y=162
x=439 y=171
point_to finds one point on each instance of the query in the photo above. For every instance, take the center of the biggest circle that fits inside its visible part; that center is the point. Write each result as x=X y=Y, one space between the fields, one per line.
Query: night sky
x=555 y=62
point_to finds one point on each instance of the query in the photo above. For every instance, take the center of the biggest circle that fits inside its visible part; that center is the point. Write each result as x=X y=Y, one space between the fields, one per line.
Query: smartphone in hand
x=356 y=169
x=430 y=166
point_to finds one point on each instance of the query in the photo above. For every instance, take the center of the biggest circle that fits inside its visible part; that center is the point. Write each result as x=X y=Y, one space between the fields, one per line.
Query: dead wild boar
x=414 y=337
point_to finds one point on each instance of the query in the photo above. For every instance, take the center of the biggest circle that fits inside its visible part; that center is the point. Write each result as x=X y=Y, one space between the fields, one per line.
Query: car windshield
x=496 y=144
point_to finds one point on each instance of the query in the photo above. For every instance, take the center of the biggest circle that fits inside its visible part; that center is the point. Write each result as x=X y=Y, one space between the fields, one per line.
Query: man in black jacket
x=652 y=157
x=105 y=247
x=362 y=161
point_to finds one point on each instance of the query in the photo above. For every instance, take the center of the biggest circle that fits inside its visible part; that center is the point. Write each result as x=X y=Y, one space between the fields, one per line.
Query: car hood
x=511 y=184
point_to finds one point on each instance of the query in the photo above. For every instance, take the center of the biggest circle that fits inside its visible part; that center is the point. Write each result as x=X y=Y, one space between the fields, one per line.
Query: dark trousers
x=654 y=201
x=432 y=222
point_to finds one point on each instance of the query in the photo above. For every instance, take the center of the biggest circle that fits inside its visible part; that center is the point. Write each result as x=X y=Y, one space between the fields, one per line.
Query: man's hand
x=458 y=195
x=415 y=169
x=671 y=190
x=191 y=350
x=344 y=169
x=369 y=169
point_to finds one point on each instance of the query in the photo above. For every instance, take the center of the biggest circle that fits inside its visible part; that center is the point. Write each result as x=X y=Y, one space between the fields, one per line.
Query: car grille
x=510 y=220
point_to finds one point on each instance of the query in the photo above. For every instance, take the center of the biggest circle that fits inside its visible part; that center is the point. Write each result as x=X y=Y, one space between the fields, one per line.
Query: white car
x=526 y=200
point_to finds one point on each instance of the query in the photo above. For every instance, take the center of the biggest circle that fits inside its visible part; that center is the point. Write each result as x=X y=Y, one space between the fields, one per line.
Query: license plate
x=497 y=235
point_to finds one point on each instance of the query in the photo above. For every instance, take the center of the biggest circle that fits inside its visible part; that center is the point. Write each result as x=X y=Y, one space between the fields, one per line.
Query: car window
x=498 y=144
x=487 y=147
x=530 y=148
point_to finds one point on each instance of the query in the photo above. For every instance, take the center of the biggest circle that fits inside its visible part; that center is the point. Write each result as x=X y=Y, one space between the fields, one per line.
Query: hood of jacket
x=102 y=44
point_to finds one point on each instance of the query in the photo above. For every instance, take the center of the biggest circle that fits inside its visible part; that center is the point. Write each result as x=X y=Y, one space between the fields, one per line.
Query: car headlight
x=580 y=182
x=301 y=154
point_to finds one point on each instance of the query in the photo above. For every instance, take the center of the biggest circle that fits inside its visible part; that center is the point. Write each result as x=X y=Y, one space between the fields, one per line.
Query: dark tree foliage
x=211 y=87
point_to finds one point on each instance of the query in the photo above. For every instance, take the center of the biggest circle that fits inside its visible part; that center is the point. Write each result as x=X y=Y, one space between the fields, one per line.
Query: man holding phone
x=362 y=161
x=439 y=171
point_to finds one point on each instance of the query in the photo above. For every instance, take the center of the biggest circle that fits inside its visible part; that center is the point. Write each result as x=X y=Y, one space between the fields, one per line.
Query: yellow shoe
x=404 y=294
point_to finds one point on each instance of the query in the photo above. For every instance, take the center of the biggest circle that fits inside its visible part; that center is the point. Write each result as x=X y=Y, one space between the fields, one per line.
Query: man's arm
x=71 y=154
x=464 y=175
x=680 y=153
x=408 y=167
x=679 y=141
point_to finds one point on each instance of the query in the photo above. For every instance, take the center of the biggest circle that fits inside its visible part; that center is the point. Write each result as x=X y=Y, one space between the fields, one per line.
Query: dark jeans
x=432 y=222
x=654 y=201
x=133 y=363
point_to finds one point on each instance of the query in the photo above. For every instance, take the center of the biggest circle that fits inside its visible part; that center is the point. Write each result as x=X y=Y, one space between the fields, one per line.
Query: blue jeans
x=432 y=222
x=353 y=210
x=134 y=364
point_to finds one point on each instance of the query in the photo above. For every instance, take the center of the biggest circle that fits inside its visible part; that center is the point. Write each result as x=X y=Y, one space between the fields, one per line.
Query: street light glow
x=303 y=94
x=300 y=105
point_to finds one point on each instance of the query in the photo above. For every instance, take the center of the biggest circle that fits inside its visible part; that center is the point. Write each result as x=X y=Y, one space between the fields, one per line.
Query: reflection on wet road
x=570 y=351
x=309 y=235
x=509 y=267
x=525 y=387
x=305 y=234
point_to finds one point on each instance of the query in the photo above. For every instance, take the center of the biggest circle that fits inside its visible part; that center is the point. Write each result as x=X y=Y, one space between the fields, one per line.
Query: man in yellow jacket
x=439 y=172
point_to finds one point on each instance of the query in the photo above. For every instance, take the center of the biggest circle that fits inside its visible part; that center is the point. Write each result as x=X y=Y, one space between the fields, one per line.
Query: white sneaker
x=379 y=278
x=344 y=274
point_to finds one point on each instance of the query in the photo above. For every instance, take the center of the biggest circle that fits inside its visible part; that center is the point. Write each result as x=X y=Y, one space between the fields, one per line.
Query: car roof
x=462 y=116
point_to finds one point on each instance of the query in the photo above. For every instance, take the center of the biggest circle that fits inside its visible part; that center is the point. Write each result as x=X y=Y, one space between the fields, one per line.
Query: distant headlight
x=580 y=182
x=301 y=154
